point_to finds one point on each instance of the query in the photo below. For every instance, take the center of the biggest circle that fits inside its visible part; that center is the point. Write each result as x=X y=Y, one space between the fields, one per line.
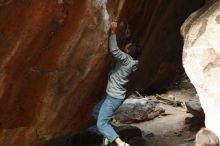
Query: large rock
x=54 y=60
x=52 y=52
x=137 y=110
x=201 y=59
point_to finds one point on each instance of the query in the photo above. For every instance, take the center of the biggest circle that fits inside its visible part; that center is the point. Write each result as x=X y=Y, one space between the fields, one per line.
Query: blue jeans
x=103 y=112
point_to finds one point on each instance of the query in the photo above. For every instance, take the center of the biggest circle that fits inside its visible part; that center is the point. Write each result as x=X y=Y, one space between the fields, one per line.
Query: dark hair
x=135 y=49
x=125 y=41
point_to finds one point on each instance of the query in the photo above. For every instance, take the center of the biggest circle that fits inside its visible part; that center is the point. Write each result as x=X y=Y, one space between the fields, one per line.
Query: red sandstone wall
x=54 y=61
x=53 y=67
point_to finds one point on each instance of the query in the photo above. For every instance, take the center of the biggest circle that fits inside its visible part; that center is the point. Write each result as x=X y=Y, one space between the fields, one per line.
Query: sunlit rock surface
x=201 y=59
x=54 y=60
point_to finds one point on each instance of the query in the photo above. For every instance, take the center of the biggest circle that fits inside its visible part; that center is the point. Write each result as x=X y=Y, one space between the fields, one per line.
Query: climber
x=206 y=137
x=127 y=61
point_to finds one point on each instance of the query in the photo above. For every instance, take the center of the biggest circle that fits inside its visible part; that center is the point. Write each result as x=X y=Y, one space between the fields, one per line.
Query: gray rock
x=137 y=110
x=194 y=107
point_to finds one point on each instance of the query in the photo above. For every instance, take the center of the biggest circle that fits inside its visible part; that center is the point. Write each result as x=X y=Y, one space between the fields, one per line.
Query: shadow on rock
x=194 y=107
x=131 y=134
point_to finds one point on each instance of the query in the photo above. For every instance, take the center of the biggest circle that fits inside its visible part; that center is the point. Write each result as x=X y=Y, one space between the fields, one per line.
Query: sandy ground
x=170 y=130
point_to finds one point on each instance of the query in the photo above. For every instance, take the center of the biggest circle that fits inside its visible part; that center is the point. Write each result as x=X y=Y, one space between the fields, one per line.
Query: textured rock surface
x=201 y=59
x=52 y=53
x=194 y=107
x=137 y=110
x=54 y=62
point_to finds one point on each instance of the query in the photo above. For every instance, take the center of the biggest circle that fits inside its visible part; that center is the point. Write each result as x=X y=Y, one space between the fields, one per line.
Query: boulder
x=201 y=59
x=52 y=53
x=194 y=107
x=137 y=110
x=198 y=119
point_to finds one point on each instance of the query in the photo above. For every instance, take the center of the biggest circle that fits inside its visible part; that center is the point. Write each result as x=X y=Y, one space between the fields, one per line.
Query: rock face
x=52 y=53
x=54 y=62
x=201 y=59
x=155 y=24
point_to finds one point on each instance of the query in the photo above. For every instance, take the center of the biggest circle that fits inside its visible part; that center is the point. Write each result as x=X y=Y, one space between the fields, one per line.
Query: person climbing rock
x=127 y=61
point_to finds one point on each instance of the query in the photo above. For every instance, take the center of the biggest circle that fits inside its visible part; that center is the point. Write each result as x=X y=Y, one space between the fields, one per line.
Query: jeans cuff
x=114 y=138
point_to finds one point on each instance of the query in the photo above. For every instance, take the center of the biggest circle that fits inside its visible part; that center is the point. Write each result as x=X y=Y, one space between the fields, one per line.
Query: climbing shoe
x=105 y=142
x=126 y=144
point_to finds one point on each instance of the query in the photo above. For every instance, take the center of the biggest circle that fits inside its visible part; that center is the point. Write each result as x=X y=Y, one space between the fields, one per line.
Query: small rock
x=194 y=107
x=147 y=134
x=178 y=133
x=188 y=120
x=189 y=139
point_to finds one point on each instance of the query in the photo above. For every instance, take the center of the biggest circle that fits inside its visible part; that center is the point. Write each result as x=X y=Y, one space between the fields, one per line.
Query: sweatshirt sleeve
x=115 y=51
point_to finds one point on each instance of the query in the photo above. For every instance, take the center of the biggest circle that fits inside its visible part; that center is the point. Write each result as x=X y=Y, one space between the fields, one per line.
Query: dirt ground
x=170 y=129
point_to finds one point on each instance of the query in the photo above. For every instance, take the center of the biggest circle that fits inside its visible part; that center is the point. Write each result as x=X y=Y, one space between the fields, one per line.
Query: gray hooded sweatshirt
x=118 y=77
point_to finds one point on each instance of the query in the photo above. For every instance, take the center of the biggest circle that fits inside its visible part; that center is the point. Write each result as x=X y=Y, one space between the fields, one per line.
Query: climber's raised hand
x=113 y=27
